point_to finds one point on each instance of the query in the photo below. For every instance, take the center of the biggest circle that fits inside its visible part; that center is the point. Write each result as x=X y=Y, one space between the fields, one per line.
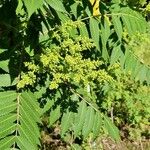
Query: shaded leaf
x=54 y=115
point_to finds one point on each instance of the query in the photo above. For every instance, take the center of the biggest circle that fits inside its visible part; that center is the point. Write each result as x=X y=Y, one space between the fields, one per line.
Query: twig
x=112 y=114
x=84 y=99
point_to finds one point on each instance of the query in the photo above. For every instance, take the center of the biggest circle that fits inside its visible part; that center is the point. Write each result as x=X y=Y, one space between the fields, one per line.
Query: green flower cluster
x=65 y=63
x=148 y=8
x=28 y=78
x=66 y=30
x=74 y=70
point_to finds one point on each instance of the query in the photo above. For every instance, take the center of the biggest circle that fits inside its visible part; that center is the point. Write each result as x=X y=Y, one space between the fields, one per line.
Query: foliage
x=122 y=100
x=72 y=64
x=139 y=45
x=19 y=115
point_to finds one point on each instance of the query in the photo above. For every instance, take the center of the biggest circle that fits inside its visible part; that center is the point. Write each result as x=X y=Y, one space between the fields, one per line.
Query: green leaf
x=5 y=80
x=133 y=21
x=19 y=114
x=54 y=115
x=94 y=30
x=4 y=65
x=128 y=61
x=117 y=26
x=116 y=54
x=23 y=134
x=80 y=118
x=64 y=18
x=97 y=124
x=66 y=122
x=6 y=119
x=48 y=105
x=38 y=94
x=6 y=97
x=7 y=108
x=74 y=9
x=148 y=76
x=57 y=5
x=24 y=144
x=6 y=142
x=32 y=5
x=137 y=68
x=83 y=31
x=89 y=121
x=30 y=132
x=111 y=128
x=6 y=130
x=31 y=101
x=105 y=33
x=20 y=9
x=127 y=23
x=141 y=75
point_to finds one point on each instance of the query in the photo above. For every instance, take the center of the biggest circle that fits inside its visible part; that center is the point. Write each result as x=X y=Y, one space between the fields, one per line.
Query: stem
x=17 y=120
x=112 y=114
x=84 y=99
x=86 y=18
x=18 y=97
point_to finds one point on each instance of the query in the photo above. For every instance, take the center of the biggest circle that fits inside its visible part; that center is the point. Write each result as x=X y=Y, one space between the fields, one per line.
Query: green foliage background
x=61 y=67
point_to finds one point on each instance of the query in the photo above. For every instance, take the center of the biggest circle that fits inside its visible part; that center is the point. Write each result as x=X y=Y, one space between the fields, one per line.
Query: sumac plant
x=73 y=66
